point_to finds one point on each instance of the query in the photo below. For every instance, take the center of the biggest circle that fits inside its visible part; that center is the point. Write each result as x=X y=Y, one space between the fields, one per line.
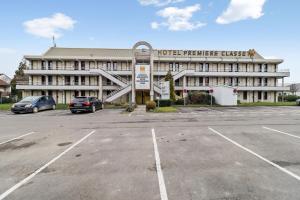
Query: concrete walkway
x=140 y=110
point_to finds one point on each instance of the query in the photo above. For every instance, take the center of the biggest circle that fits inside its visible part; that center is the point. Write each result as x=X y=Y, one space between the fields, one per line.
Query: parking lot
x=219 y=153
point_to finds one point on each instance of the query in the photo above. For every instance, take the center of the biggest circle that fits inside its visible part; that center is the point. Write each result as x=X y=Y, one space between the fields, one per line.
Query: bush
x=200 y=98
x=131 y=107
x=164 y=102
x=179 y=102
x=150 y=105
x=6 y=100
x=289 y=98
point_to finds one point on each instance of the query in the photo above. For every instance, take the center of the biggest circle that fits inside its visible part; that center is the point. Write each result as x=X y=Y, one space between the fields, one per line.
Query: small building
x=5 y=88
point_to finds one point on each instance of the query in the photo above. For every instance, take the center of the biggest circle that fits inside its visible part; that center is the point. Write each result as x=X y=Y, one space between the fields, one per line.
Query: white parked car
x=298 y=102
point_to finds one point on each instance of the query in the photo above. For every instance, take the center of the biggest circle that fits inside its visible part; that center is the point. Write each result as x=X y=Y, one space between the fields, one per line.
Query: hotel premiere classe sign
x=204 y=53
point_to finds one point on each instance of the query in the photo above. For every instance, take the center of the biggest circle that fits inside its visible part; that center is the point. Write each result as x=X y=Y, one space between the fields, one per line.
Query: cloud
x=158 y=2
x=178 y=19
x=48 y=27
x=241 y=10
x=7 y=51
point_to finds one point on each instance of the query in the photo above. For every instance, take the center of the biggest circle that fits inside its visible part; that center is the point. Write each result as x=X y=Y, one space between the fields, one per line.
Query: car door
x=49 y=102
x=42 y=103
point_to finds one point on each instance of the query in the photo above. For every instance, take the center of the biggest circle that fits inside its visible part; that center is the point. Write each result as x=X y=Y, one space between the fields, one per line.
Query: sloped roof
x=88 y=52
x=3 y=83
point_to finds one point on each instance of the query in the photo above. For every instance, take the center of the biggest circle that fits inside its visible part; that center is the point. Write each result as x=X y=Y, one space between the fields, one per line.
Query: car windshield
x=80 y=99
x=29 y=99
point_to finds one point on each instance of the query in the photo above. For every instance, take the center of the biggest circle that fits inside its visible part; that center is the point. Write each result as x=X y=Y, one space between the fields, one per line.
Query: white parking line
x=129 y=115
x=161 y=181
x=17 y=138
x=25 y=180
x=270 y=129
x=258 y=156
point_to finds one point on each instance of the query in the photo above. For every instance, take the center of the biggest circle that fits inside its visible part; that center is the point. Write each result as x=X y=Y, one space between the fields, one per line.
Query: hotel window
x=43 y=65
x=230 y=81
x=236 y=81
x=265 y=82
x=76 y=65
x=245 y=95
x=259 y=67
x=230 y=67
x=206 y=81
x=83 y=80
x=199 y=67
x=43 y=80
x=177 y=67
x=200 y=81
x=50 y=64
x=82 y=93
x=82 y=65
x=76 y=80
x=76 y=93
x=265 y=67
x=171 y=66
x=67 y=80
x=177 y=82
x=236 y=67
x=109 y=82
x=115 y=66
x=108 y=66
x=50 y=93
x=206 y=67
x=259 y=95
x=259 y=81
x=265 y=96
x=50 y=79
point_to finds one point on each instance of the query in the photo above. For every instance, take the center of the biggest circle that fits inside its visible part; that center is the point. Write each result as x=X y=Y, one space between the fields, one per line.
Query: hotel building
x=110 y=74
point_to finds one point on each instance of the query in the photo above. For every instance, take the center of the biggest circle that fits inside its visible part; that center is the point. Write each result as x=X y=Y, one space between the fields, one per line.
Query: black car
x=86 y=104
x=34 y=104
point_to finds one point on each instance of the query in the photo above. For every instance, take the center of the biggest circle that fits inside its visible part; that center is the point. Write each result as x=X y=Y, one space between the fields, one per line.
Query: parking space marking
x=161 y=181
x=25 y=180
x=16 y=138
x=274 y=130
x=257 y=155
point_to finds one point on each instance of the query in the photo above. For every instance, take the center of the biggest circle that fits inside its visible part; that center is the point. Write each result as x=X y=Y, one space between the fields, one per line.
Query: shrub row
x=289 y=98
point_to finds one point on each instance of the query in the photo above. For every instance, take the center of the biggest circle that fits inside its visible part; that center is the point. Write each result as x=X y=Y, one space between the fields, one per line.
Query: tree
x=169 y=78
x=19 y=76
x=294 y=88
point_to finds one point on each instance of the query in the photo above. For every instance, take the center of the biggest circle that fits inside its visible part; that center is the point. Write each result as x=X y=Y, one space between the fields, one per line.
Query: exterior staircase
x=113 y=77
x=157 y=87
x=126 y=87
x=118 y=93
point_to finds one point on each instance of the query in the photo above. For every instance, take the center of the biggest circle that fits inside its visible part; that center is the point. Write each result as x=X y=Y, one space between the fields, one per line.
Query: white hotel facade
x=109 y=74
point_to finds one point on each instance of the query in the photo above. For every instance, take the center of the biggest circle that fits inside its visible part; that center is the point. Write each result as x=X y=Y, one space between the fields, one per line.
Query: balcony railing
x=55 y=84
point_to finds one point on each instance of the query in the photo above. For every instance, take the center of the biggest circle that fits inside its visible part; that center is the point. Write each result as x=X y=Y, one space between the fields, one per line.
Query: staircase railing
x=116 y=91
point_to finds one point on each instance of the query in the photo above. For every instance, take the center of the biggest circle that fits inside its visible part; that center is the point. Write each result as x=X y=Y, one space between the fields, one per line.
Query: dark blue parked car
x=34 y=104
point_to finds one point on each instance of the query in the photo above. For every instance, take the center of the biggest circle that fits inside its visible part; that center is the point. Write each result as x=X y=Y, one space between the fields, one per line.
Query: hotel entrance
x=142 y=97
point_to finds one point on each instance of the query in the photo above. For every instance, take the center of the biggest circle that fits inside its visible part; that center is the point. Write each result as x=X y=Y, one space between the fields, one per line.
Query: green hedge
x=289 y=98
x=200 y=98
x=164 y=103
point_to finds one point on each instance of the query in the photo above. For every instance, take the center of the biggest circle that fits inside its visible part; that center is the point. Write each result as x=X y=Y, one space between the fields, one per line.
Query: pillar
x=151 y=78
x=133 y=81
x=100 y=92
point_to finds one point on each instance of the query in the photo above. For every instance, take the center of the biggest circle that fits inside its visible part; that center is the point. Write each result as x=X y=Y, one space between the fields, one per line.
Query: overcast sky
x=269 y=26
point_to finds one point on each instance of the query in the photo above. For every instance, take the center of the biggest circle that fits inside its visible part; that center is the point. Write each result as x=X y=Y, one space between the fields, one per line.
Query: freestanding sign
x=142 y=77
x=165 y=90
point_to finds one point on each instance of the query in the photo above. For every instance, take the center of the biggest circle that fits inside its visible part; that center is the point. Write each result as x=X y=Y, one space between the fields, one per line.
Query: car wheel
x=73 y=111
x=53 y=107
x=35 y=110
x=93 y=109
